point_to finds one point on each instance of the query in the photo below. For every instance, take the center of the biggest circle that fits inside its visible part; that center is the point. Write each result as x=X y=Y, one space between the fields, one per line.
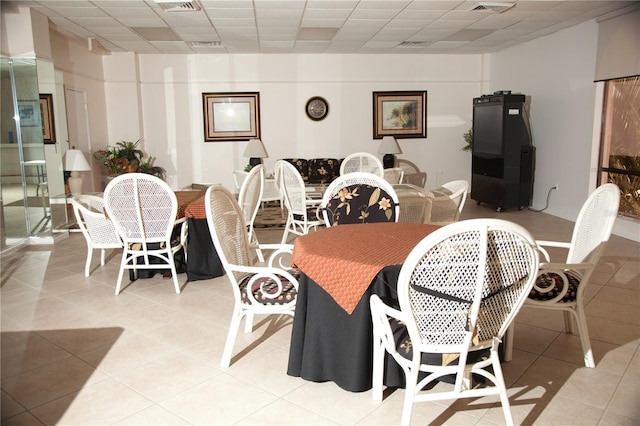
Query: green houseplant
x=468 y=138
x=148 y=167
x=126 y=157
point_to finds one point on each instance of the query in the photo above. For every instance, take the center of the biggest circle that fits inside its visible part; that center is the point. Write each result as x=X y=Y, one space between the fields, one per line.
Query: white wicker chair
x=449 y=202
x=458 y=291
x=273 y=290
x=301 y=211
x=561 y=286
x=412 y=174
x=362 y=162
x=415 y=203
x=249 y=200
x=143 y=209
x=393 y=175
x=96 y=228
x=351 y=198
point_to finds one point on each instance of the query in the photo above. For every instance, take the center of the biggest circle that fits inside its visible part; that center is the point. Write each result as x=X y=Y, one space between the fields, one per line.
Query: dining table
x=201 y=261
x=340 y=268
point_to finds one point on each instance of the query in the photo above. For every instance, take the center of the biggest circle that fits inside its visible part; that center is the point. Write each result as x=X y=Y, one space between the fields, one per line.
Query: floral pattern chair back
x=359 y=198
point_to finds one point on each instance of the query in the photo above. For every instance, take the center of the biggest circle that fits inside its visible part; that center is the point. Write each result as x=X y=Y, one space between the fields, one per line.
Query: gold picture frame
x=48 y=123
x=231 y=116
x=401 y=114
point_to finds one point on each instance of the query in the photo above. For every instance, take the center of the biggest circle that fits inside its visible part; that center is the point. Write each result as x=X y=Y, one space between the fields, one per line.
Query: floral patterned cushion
x=553 y=282
x=302 y=165
x=269 y=286
x=360 y=204
x=323 y=170
x=405 y=348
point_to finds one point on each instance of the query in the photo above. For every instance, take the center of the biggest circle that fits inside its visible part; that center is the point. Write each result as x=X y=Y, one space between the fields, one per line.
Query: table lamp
x=255 y=151
x=389 y=146
x=75 y=163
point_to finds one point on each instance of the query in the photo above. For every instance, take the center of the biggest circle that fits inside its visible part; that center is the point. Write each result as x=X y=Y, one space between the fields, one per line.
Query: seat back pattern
x=594 y=224
x=97 y=229
x=142 y=207
x=362 y=162
x=228 y=229
x=292 y=187
x=464 y=283
x=448 y=208
x=359 y=197
x=393 y=175
x=251 y=195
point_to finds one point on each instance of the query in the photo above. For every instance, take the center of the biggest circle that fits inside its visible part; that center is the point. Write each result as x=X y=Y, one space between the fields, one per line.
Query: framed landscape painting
x=400 y=114
x=231 y=116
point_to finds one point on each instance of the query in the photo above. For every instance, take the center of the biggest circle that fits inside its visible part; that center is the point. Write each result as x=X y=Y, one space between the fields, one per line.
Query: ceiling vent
x=178 y=6
x=492 y=6
x=414 y=44
x=206 y=44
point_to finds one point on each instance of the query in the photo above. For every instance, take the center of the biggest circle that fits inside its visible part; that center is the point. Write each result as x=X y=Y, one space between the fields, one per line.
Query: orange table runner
x=345 y=259
x=191 y=204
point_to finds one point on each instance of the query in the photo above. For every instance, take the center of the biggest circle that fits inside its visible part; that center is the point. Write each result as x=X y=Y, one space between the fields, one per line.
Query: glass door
x=24 y=203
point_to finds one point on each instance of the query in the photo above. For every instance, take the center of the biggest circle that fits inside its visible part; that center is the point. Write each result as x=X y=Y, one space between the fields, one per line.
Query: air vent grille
x=414 y=44
x=493 y=6
x=178 y=6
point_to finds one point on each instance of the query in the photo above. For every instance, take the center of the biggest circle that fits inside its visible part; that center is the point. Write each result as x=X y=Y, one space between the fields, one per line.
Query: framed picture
x=46 y=112
x=400 y=114
x=231 y=116
x=29 y=114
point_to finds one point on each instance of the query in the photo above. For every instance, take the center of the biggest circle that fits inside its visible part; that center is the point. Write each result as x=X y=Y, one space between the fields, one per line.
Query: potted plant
x=147 y=167
x=468 y=138
x=130 y=152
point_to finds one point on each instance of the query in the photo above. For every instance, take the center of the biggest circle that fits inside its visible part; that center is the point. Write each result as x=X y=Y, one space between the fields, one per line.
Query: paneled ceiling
x=314 y=26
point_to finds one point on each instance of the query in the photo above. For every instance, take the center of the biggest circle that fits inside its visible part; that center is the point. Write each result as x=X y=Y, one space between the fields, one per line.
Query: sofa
x=316 y=170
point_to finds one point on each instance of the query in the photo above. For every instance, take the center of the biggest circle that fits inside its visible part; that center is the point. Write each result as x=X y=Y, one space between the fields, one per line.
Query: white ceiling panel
x=363 y=26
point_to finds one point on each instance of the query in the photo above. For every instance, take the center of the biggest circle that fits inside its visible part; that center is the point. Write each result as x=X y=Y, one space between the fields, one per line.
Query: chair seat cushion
x=405 y=347
x=553 y=282
x=361 y=204
x=268 y=285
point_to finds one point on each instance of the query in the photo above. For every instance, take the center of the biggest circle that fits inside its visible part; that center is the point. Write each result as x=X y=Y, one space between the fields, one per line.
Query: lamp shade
x=255 y=149
x=389 y=145
x=75 y=161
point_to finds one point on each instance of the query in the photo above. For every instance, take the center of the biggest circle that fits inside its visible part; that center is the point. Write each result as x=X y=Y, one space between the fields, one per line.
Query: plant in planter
x=147 y=167
x=126 y=157
x=468 y=138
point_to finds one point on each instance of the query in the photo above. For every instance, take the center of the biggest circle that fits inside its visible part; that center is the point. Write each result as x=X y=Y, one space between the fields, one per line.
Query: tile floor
x=73 y=353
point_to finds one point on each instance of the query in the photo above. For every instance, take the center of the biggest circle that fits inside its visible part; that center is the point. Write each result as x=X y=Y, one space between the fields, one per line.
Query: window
x=620 y=142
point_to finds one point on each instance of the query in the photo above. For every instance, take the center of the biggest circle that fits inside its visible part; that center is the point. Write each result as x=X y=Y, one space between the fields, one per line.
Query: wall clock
x=317 y=108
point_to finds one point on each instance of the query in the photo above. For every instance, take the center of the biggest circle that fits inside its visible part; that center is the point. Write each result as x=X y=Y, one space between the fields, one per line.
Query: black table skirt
x=327 y=344
x=202 y=263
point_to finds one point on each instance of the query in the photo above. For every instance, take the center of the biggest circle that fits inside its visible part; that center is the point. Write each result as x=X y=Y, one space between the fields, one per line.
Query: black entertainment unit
x=503 y=161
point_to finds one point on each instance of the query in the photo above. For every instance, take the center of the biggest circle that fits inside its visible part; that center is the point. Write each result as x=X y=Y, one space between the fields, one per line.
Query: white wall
x=171 y=88
x=558 y=72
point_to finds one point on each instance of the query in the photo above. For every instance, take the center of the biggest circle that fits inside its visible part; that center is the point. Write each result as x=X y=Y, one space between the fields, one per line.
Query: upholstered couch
x=317 y=170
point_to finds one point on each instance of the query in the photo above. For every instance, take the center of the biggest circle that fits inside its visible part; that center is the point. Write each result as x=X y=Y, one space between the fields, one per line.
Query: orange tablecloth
x=344 y=259
x=191 y=204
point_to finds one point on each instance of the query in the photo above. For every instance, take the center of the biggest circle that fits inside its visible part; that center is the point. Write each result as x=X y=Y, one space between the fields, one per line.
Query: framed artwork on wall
x=48 y=124
x=400 y=114
x=28 y=112
x=231 y=116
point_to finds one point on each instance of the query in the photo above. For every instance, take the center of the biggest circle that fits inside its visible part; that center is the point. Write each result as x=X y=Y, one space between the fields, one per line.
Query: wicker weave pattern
x=448 y=205
x=273 y=289
x=249 y=199
x=361 y=162
x=459 y=290
x=590 y=235
x=301 y=211
x=143 y=209
x=96 y=228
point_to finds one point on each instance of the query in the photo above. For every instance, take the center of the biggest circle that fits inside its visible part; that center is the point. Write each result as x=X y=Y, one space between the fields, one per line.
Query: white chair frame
x=143 y=209
x=249 y=199
x=355 y=178
x=362 y=162
x=96 y=228
x=465 y=307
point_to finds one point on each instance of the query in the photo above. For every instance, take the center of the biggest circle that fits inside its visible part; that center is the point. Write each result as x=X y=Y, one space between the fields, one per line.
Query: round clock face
x=317 y=108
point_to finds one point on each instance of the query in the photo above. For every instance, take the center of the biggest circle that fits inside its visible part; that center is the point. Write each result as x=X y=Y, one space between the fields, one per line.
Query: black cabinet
x=503 y=161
